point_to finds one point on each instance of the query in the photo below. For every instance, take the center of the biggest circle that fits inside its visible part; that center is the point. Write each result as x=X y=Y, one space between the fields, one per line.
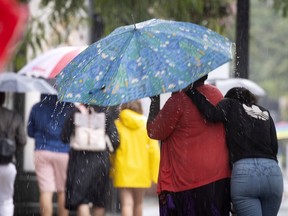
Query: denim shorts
x=256 y=187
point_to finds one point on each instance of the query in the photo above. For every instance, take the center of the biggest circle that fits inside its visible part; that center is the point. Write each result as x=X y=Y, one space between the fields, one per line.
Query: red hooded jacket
x=193 y=151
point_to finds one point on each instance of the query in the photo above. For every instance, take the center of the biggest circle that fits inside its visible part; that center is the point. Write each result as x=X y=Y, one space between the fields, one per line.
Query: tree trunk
x=97 y=26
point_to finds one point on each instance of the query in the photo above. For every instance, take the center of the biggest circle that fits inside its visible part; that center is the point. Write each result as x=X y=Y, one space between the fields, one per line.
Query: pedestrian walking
x=45 y=124
x=135 y=163
x=91 y=138
x=194 y=175
x=256 y=180
x=12 y=135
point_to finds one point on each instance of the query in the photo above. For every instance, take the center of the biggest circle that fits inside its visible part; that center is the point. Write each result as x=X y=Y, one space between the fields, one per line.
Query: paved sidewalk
x=151 y=208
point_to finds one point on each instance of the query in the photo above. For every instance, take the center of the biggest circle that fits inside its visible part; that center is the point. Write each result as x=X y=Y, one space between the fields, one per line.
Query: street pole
x=242 y=39
x=97 y=26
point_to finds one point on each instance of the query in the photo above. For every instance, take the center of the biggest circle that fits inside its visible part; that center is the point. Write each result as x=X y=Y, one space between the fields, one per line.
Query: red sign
x=13 y=19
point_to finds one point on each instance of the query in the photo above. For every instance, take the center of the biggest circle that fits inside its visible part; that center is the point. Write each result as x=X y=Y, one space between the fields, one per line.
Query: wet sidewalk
x=151 y=208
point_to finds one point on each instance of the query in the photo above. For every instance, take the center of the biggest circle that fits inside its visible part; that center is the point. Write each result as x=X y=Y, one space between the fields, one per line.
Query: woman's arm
x=211 y=112
x=161 y=124
x=154 y=108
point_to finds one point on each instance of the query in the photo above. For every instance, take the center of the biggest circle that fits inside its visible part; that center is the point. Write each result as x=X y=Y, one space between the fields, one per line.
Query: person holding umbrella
x=256 y=180
x=194 y=173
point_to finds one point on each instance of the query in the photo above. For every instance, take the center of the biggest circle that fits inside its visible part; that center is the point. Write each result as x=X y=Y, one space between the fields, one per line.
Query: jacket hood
x=131 y=119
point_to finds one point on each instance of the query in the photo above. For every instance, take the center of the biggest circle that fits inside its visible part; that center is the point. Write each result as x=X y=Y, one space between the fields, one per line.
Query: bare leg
x=98 y=211
x=138 y=196
x=46 y=206
x=126 y=200
x=62 y=211
x=83 y=210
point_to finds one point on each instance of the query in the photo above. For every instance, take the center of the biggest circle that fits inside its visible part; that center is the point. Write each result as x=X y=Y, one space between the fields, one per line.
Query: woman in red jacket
x=194 y=168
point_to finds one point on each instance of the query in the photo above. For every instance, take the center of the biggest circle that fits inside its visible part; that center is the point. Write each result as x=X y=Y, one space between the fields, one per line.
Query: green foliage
x=124 y=12
x=207 y=13
x=50 y=27
x=281 y=6
x=63 y=11
x=204 y=12
x=57 y=18
x=268 y=56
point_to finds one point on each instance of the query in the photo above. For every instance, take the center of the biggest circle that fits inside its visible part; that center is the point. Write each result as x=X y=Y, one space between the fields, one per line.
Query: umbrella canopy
x=282 y=130
x=225 y=85
x=142 y=60
x=50 y=63
x=12 y=82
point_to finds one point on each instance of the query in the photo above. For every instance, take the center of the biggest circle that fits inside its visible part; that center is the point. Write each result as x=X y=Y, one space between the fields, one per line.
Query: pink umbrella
x=50 y=63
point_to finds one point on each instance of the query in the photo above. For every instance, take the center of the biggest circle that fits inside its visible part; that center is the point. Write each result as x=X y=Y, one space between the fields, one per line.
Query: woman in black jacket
x=256 y=181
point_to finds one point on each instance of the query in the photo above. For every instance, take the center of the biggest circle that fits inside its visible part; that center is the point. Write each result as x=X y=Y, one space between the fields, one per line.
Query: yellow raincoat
x=136 y=161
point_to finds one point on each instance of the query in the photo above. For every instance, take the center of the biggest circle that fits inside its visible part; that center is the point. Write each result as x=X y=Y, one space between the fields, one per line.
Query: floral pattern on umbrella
x=142 y=60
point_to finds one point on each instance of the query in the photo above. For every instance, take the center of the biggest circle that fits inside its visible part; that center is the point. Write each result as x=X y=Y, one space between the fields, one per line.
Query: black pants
x=209 y=200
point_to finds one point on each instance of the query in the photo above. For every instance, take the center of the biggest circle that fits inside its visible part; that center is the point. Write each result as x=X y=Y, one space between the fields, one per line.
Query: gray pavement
x=151 y=208
x=284 y=208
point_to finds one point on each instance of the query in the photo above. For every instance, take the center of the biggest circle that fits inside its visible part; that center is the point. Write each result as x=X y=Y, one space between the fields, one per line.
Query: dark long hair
x=242 y=94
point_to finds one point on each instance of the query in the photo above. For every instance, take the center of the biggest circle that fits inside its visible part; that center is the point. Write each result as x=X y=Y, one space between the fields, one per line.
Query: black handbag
x=7 y=147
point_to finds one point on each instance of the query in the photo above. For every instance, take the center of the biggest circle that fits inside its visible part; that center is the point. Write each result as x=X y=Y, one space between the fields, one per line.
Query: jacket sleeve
x=112 y=133
x=164 y=123
x=154 y=159
x=211 y=112
x=68 y=128
x=154 y=109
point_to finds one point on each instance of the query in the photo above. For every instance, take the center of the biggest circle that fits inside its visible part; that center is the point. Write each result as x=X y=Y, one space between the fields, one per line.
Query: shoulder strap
x=9 y=126
x=109 y=143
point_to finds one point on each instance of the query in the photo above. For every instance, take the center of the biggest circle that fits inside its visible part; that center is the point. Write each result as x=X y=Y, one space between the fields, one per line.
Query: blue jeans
x=256 y=187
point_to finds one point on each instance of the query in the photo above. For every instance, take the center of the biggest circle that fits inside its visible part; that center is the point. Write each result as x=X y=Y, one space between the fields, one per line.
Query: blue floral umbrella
x=142 y=60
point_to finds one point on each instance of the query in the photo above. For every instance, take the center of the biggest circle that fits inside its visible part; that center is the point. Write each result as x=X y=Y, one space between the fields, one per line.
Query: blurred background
x=259 y=29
